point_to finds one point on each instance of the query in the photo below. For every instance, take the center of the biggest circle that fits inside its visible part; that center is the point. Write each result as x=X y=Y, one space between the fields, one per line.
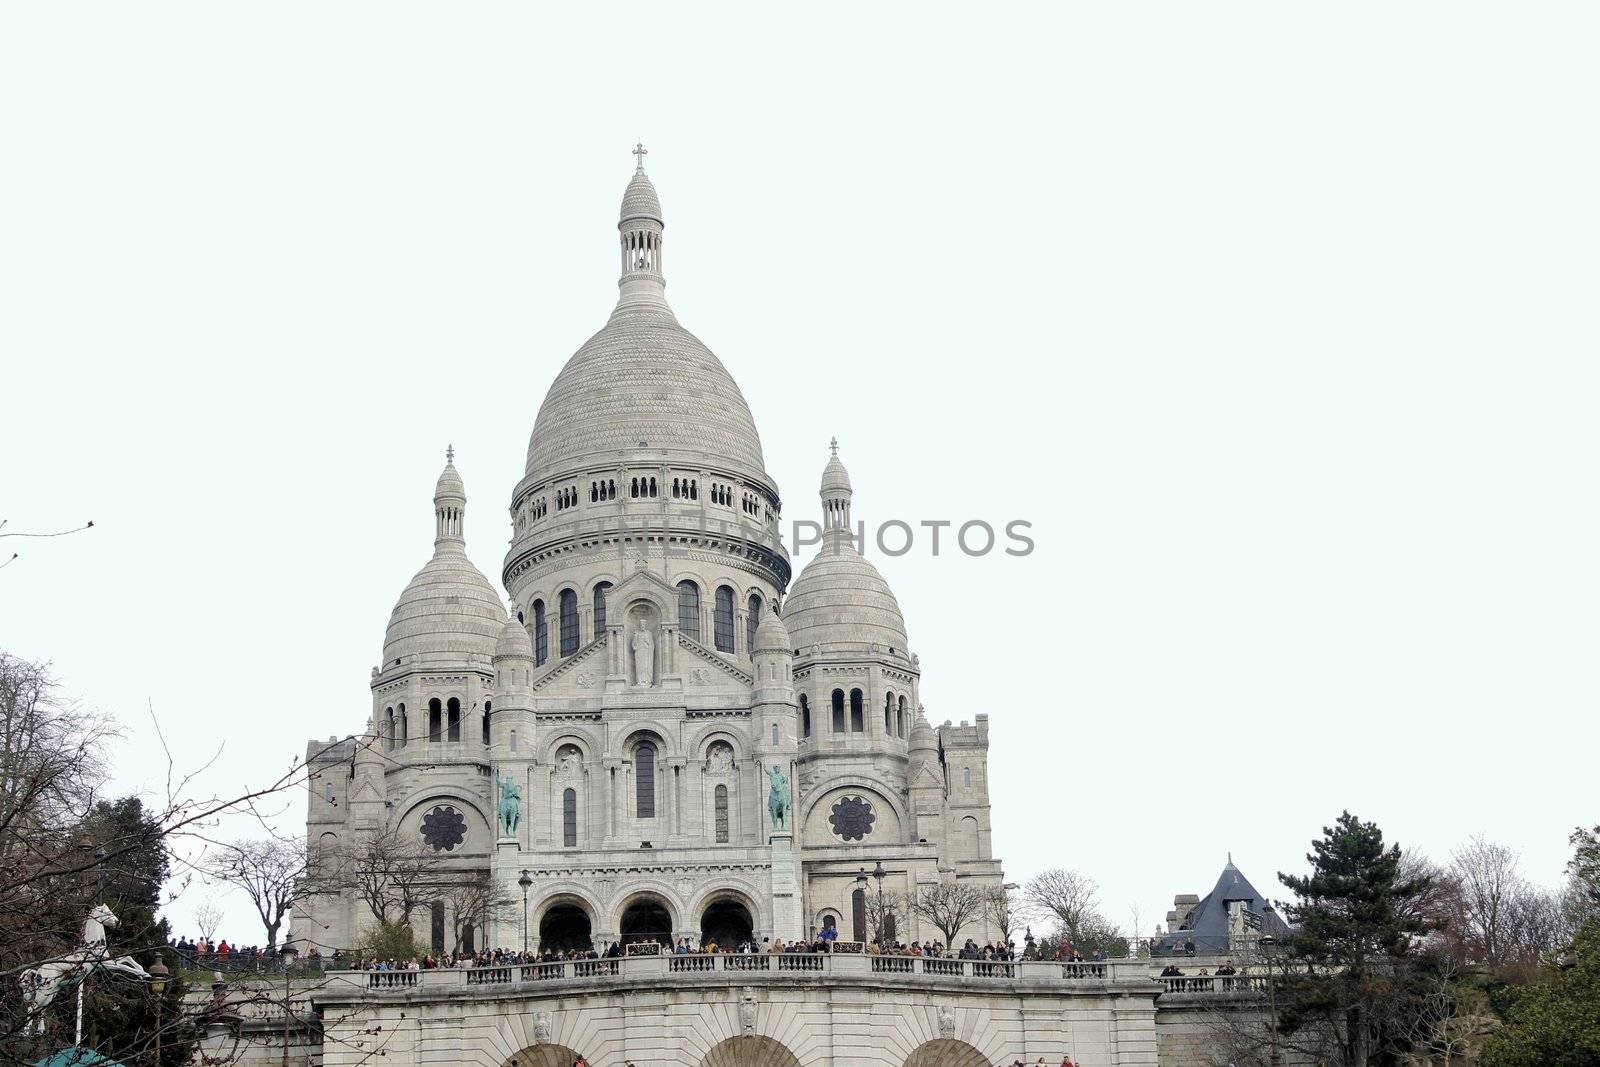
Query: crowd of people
x=709 y=946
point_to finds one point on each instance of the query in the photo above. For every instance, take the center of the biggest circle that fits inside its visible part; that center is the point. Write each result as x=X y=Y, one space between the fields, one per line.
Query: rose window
x=444 y=828
x=852 y=818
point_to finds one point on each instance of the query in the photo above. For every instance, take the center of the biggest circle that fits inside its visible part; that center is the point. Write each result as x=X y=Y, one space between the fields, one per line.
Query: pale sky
x=1276 y=321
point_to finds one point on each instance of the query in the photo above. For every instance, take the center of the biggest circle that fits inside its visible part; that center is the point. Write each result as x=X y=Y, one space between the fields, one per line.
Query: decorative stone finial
x=833 y=446
x=450 y=455
x=641 y=151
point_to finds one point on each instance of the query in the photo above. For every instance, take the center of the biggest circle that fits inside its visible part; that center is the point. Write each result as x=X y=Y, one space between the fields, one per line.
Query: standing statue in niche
x=510 y=806
x=778 y=798
x=644 y=656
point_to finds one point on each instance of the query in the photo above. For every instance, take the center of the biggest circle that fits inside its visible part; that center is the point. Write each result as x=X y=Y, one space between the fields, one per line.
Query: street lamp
x=877 y=873
x=1268 y=947
x=158 y=986
x=524 y=882
x=861 y=887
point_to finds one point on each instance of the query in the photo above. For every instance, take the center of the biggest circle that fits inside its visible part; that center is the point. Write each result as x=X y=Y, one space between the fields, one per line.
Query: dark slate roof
x=1207 y=925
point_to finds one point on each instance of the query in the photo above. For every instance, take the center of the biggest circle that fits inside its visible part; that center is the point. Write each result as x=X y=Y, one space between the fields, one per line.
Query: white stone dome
x=840 y=601
x=639 y=200
x=643 y=383
x=448 y=612
x=771 y=634
x=514 y=641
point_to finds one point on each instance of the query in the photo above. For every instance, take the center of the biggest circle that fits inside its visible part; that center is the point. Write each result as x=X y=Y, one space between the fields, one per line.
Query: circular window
x=852 y=818
x=444 y=828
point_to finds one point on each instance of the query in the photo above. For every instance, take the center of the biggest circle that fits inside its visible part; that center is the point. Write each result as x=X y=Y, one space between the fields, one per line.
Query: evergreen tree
x=120 y=1014
x=1354 y=930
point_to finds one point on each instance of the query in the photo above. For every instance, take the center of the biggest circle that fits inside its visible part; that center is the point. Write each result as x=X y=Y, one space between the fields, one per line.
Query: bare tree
x=207 y=917
x=1004 y=909
x=269 y=871
x=392 y=873
x=947 y=906
x=474 y=903
x=65 y=848
x=885 y=914
x=1066 y=895
x=1487 y=873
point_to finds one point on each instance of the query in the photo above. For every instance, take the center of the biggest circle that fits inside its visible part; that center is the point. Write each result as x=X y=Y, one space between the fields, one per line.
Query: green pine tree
x=1353 y=933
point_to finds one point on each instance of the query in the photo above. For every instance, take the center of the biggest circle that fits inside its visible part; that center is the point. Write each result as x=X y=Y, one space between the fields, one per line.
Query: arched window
x=569 y=622
x=838 y=711
x=858 y=721
x=722 y=814
x=858 y=914
x=644 y=779
x=689 y=609
x=454 y=714
x=724 y=619
x=541 y=634
x=805 y=716
x=513 y=740
x=569 y=818
x=435 y=720
x=488 y=710
x=652 y=487
x=888 y=714
x=904 y=715
x=633 y=489
x=750 y=623
x=400 y=718
x=774 y=733
x=600 y=589
x=388 y=728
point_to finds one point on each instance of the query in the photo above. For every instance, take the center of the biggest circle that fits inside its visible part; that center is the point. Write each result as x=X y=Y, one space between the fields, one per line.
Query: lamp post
x=158 y=986
x=1268 y=947
x=524 y=882
x=861 y=886
x=877 y=873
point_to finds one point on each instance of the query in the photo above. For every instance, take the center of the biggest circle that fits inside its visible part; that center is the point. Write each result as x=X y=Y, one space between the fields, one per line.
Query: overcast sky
x=1276 y=321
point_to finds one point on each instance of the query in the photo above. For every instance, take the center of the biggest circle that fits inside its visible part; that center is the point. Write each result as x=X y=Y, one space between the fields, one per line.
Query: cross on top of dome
x=641 y=151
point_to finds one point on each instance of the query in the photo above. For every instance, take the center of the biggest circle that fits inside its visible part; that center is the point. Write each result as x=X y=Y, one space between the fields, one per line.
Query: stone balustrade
x=1214 y=983
x=741 y=966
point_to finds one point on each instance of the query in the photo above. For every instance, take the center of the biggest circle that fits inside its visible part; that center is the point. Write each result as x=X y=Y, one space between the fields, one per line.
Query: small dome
x=449 y=613
x=771 y=634
x=514 y=641
x=840 y=601
x=922 y=736
x=639 y=200
x=834 y=477
x=450 y=486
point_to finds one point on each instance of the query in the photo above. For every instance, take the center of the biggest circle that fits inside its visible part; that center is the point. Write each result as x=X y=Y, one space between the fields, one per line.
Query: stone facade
x=651 y=685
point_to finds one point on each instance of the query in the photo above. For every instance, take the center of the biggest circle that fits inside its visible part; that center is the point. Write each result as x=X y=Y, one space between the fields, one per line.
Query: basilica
x=666 y=734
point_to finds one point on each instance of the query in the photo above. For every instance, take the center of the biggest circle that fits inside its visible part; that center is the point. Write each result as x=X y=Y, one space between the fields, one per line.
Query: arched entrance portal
x=946 y=1052
x=543 y=1056
x=749 y=1052
x=646 y=919
x=728 y=923
x=563 y=928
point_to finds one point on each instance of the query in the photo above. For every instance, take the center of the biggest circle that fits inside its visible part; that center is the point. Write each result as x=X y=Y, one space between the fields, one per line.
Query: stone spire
x=640 y=228
x=449 y=508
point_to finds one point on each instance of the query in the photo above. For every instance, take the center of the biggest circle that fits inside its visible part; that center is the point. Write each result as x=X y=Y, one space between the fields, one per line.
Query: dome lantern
x=835 y=492
x=449 y=507
x=640 y=227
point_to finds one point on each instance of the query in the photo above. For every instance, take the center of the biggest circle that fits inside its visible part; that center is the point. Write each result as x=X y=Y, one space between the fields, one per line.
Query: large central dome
x=643 y=381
